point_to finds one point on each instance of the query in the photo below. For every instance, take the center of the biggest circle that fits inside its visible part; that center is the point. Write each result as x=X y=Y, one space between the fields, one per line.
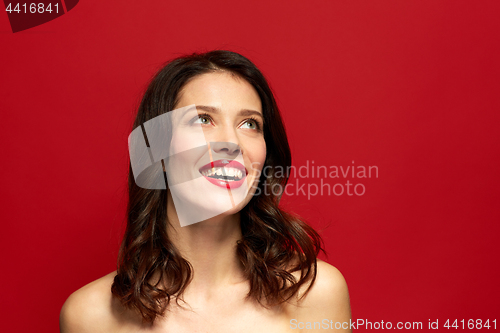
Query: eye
x=203 y=119
x=251 y=124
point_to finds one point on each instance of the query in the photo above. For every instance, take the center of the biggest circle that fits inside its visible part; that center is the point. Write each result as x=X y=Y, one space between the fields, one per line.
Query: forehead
x=221 y=90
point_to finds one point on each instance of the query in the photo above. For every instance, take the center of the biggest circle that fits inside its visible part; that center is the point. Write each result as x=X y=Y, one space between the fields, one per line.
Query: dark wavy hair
x=274 y=243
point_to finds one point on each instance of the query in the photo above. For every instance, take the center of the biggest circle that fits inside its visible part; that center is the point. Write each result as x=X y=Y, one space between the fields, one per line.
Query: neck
x=210 y=247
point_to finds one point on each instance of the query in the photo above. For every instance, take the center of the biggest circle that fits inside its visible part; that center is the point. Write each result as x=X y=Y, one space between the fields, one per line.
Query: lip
x=227 y=184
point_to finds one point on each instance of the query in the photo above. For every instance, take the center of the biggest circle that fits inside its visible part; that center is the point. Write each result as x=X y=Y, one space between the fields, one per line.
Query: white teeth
x=223 y=171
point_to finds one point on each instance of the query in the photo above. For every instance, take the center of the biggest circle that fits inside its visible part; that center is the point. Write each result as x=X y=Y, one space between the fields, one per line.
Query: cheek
x=185 y=141
x=263 y=153
x=185 y=151
x=258 y=154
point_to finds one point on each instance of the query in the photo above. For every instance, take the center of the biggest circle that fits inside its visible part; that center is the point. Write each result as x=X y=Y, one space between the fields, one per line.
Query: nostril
x=225 y=147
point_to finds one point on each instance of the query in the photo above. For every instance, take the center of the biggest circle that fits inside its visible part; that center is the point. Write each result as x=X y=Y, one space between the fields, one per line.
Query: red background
x=409 y=86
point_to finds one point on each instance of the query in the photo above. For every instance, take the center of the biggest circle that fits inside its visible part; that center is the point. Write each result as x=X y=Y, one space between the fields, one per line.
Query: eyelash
x=257 y=124
x=206 y=115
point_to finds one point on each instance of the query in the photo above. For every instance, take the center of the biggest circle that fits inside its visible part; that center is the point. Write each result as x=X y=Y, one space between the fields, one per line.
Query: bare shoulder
x=329 y=285
x=328 y=298
x=90 y=308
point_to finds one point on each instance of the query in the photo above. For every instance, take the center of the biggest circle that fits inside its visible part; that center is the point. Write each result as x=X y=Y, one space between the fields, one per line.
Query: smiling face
x=217 y=149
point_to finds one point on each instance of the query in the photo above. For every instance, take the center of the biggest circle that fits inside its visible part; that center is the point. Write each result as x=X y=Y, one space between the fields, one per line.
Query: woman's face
x=218 y=149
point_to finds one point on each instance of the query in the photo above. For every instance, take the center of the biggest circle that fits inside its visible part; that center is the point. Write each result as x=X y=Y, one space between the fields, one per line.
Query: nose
x=228 y=148
x=224 y=140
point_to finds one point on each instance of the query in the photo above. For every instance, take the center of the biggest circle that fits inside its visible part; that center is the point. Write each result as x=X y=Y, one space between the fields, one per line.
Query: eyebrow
x=243 y=112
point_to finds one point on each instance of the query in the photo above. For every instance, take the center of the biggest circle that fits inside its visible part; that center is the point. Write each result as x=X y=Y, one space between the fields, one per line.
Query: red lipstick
x=228 y=174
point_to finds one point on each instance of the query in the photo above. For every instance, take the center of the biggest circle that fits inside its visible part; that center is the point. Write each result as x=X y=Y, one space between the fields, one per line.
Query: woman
x=243 y=264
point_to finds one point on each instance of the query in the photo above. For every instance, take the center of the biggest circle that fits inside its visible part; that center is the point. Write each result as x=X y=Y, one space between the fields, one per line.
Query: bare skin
x=93 y=309
x=215 y=299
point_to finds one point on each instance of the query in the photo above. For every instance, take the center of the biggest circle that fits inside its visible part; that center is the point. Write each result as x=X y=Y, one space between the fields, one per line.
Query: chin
x=200 y=200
